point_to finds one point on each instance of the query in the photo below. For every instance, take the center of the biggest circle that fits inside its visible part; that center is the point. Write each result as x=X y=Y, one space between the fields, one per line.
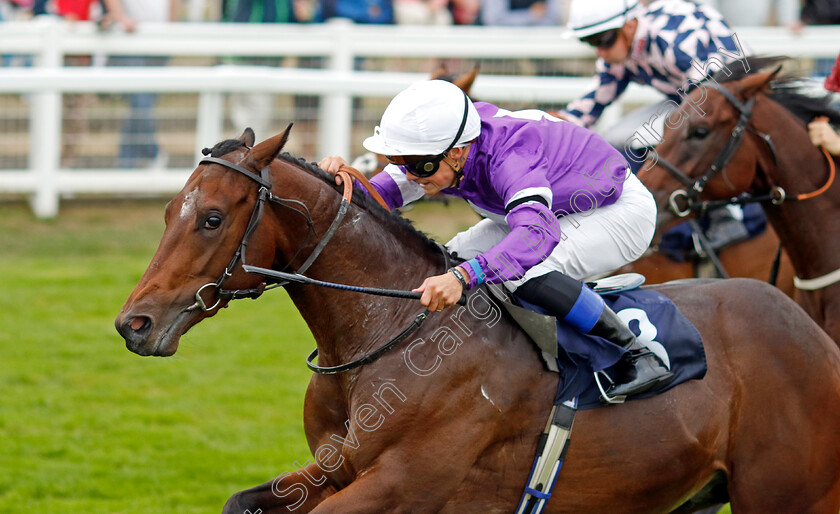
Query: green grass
x=87 y=426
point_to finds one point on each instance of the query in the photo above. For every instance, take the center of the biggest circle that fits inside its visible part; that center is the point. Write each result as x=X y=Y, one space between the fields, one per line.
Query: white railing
x=340 y=42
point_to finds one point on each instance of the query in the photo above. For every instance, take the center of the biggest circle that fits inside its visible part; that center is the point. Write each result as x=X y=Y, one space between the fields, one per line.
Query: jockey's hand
x=332 y=164
x=822 y=134
x=440 y=291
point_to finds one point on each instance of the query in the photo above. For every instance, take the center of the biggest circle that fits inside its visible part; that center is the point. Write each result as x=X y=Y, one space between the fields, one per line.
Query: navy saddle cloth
x=679 y=245
x=656 y=321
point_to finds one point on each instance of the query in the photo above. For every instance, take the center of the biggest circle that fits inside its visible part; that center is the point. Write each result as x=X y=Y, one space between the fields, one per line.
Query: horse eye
x=698 y=133
x=212 y=222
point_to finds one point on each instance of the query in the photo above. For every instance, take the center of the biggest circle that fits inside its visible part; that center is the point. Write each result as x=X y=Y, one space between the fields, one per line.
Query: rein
x=264 y=194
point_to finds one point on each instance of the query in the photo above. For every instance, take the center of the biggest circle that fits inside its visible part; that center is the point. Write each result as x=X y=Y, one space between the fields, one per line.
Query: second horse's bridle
x=690 y=196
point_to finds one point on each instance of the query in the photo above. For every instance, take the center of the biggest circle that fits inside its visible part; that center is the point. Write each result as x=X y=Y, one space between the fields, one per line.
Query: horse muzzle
x=144 y=337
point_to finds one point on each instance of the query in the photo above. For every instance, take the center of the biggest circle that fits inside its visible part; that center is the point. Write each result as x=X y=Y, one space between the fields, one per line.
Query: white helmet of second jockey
x=589 y=17
x=429 y=118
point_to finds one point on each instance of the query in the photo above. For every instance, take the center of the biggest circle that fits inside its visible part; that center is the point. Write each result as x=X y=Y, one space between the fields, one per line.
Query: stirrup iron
x=613 y=400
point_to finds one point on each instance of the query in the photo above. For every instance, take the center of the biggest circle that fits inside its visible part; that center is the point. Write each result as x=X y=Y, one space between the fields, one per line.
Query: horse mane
x=363 y=200
x=360 y=196
x=802 y=97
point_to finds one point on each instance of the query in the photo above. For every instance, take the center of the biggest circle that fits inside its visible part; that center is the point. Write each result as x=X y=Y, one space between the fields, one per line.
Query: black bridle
x=263 y=194
x=281 y=278
x=690 y=197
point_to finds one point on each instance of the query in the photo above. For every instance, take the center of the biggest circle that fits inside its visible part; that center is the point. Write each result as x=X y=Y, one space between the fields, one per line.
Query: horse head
x=712 y=147
x=197 y=267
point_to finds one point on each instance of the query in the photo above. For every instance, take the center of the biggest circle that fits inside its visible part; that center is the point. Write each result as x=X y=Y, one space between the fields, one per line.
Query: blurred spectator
x=520 y=12
x=821 y=132
x=138 y=136
x=360 y=11
x=465 y=12
x=15 y=10
x=76 y=106
x=255 y=109
x=422 y=12
x=756 y=13
x=821 y=12
x=11 y=10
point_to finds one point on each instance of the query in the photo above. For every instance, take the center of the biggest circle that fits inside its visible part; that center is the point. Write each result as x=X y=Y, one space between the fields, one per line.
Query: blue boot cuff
x=586 y=311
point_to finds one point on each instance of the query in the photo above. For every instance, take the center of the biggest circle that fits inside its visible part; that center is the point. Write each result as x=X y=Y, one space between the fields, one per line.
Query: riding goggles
x=425 y=166
x=602 y=40
x=419 y=166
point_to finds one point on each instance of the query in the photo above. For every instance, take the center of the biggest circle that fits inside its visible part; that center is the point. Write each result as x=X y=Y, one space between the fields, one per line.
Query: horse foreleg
x=298 y=492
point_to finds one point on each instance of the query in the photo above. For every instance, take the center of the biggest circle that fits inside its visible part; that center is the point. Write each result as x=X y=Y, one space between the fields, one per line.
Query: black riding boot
x=574 y=303
x=640 y=370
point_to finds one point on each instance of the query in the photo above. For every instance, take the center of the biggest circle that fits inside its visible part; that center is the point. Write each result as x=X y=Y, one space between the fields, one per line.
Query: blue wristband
x=476 y=267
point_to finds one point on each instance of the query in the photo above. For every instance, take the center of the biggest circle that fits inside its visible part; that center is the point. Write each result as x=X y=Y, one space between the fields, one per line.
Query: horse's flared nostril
x=135 y=328
x=140 y=323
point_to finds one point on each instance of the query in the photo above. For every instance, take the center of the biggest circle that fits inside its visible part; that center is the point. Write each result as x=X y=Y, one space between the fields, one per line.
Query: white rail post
x=209 y=121
x=335 y=112
x=45 y=126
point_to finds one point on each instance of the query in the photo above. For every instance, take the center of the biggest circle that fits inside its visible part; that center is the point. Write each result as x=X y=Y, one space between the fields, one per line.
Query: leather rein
x=264 y=194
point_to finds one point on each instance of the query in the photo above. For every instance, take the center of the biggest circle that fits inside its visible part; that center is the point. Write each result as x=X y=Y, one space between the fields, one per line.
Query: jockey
x=663 y=45
x=559 y=205
x=669 y=45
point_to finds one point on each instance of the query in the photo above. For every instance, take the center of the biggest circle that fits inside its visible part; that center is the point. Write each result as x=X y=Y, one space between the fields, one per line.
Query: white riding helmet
x=588 y=17
x=424 y=120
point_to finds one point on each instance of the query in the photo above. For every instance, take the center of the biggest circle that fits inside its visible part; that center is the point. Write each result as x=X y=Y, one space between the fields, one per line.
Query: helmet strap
x=458 y=165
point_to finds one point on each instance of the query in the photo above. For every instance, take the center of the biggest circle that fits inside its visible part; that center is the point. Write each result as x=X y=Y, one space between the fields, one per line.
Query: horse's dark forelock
x=223 y=148
x=796 y=94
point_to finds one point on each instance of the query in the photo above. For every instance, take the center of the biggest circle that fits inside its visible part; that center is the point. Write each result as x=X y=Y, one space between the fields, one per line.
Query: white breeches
x=594 y=242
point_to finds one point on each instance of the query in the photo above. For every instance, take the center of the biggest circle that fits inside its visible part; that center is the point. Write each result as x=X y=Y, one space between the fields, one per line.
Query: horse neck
x=802 y=226
x=365 y=251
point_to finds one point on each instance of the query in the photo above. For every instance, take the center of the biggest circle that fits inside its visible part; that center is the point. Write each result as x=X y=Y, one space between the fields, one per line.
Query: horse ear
x=440 y=72
x=248 y=137
x=265 y=152
x=466 y=80
x=758 y=83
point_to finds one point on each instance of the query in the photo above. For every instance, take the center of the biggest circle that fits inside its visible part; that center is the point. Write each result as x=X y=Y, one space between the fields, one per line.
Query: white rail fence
x=44 y=181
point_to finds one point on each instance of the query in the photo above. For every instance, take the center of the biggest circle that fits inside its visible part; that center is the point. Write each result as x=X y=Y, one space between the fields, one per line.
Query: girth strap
x=551 y=450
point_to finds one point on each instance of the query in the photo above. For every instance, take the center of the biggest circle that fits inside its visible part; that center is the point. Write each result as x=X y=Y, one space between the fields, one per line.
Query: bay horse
x=759 y=124
x=451 y=421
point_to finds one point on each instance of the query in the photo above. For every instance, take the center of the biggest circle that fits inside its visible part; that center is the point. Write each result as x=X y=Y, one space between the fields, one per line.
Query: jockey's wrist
x=474 y=274
x=460 y=276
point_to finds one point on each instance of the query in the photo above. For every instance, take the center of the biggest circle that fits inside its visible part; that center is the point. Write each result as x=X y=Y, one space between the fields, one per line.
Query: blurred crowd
x=139 y=142
x=793 y=14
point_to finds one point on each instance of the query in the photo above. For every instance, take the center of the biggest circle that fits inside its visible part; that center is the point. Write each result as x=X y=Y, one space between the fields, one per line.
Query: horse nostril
x=140 y=323
x=134 y=328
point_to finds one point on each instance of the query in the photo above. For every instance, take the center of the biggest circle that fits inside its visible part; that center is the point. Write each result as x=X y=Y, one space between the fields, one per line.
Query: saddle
x=657 y=322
